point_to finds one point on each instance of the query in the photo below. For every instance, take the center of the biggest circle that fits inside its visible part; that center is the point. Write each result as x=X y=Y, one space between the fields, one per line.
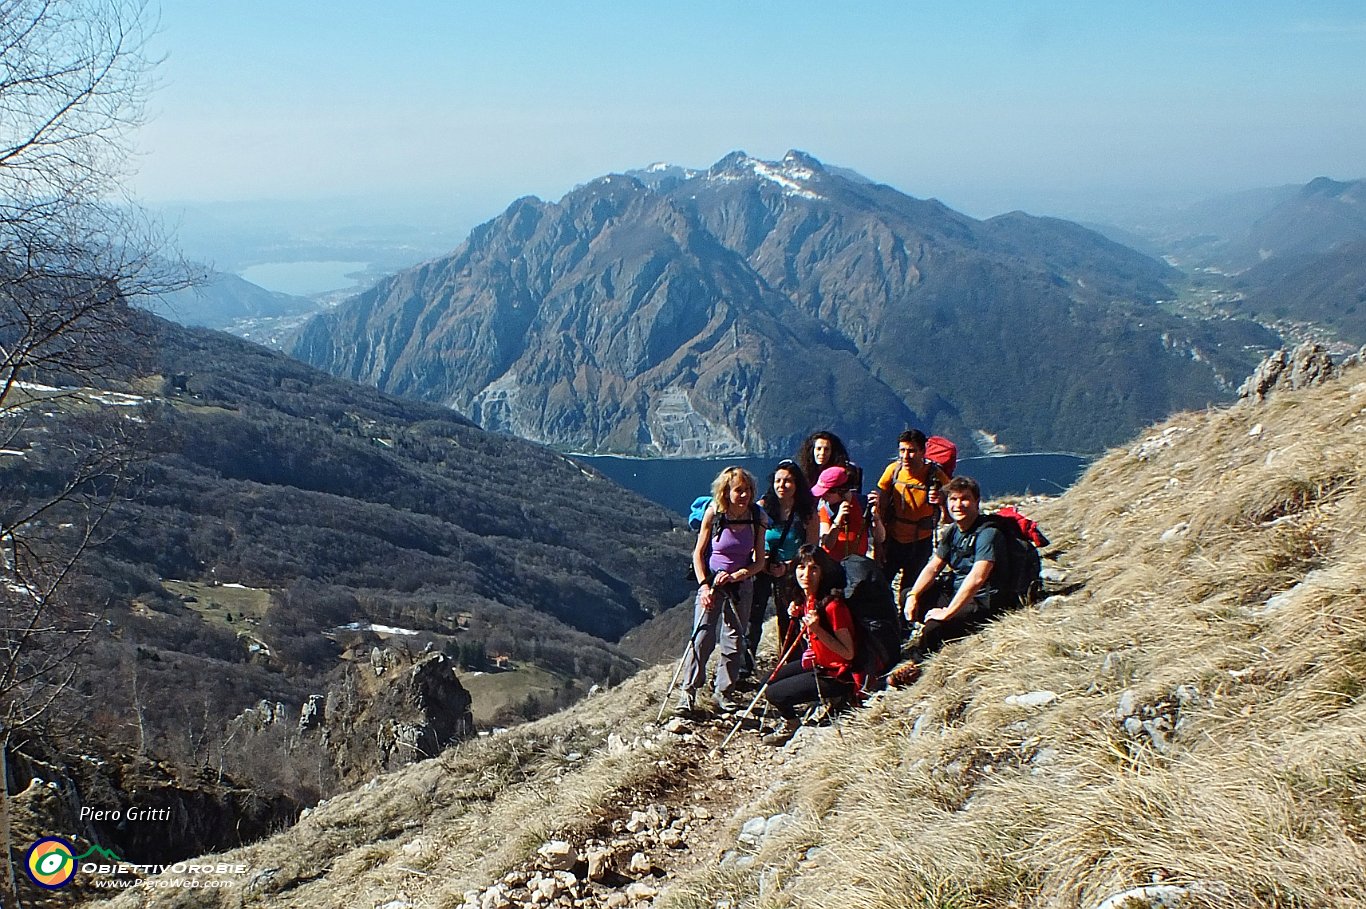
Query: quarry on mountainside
x=1183 y=726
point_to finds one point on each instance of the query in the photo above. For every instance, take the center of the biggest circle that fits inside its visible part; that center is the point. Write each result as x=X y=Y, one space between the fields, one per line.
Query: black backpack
x=1023 y=580
x=873 y=609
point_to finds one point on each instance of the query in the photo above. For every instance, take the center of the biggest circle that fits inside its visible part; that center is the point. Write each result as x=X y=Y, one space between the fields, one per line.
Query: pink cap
x=830 y=478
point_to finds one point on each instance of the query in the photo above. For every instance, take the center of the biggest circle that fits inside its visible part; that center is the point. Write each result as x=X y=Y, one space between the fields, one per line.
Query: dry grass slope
x=1208 y=731
x=1223 y=565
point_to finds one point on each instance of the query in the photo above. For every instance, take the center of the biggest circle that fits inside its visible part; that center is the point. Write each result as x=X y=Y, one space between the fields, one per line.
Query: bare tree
x=73 y=77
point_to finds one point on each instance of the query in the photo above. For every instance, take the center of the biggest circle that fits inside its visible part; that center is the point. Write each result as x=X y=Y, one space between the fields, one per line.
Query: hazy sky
x=1053 y=107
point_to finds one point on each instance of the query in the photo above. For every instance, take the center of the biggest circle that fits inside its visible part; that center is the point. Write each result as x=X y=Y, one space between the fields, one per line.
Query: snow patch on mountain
x=664 y=167
x=790 y=174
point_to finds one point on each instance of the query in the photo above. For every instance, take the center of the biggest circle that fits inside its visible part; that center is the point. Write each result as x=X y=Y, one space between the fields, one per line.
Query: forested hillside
x=279 y=526
x=1326 y=289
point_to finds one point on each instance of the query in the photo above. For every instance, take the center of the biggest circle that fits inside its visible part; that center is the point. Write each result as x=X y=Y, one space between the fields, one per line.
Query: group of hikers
x=811 y=539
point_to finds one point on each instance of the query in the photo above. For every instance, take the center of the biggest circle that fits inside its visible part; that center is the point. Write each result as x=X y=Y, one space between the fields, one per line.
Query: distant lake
x=303 y=278
x=675 y=482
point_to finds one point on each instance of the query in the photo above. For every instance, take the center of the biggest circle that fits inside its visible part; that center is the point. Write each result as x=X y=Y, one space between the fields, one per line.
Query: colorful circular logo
x=51 y=862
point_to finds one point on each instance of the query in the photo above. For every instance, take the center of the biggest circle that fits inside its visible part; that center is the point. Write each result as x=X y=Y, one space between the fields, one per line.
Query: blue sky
x=1052 y=107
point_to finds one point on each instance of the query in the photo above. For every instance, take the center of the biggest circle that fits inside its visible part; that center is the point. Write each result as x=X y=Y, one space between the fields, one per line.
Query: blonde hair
x=723 y=482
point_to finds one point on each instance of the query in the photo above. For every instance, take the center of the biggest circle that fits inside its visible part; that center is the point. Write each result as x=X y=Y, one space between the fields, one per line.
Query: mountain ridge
x=599 y=322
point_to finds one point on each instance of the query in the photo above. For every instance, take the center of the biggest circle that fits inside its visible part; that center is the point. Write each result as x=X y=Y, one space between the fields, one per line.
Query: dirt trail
x=684 y=816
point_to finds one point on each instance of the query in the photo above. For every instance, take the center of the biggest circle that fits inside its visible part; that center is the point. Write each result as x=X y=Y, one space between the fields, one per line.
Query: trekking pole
x=937 y=488
x=820 y=695
x=826 y=710
x=692 y=646
x=820 y=698
x=782 y=661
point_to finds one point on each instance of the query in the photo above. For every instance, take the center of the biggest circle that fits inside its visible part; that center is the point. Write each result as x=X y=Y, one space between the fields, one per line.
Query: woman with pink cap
x=845 y=522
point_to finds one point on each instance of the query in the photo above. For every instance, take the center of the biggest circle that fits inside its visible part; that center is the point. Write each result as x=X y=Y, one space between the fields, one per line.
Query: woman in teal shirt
x=791 y=511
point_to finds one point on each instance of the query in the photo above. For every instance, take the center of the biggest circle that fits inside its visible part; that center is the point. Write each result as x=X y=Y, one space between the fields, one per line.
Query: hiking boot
x=746 y=683
x=782 y=734
x=686 y=705
x=823 y=713
x=727 y=703
x=904 y=675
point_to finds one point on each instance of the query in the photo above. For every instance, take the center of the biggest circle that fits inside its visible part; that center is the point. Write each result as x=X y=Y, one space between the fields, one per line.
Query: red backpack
x=1029 y=528
x=942 y=452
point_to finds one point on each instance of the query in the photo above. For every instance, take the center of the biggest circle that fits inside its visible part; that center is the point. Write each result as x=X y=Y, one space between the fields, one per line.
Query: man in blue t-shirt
x=976 y=552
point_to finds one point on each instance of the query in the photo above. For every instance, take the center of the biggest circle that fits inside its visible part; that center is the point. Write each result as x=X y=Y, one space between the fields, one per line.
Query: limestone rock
x=557 y=855
x=639 y=891
x=1174 y=532
x=1157 y=723
x=1032 y=699
x=599 y=863
x=1152 y=896
x=313 y=713
x=263 y=715
x=1128 y=704
x=640 y=864
x=423 y=710
x=1306 y=365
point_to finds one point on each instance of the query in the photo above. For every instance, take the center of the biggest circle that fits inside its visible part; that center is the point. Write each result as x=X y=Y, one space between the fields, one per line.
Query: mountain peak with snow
x=662 y=176
x=795 y=174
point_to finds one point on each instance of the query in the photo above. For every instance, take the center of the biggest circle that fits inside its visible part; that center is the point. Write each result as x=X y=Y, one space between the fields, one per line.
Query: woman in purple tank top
x=728 y=555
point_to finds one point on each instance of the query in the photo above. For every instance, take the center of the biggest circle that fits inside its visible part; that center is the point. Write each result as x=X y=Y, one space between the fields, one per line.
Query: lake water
x=675 y=482
x=303 y=279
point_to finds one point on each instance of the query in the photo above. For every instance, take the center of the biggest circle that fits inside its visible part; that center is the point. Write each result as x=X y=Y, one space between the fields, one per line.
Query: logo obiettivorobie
x=51 y=862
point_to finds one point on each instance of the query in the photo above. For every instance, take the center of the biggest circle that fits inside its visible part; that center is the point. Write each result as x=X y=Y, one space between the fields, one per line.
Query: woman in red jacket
x=825 y=669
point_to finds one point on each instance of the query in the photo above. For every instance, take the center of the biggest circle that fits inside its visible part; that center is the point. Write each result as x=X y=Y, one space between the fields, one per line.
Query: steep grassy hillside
x=1195 y=727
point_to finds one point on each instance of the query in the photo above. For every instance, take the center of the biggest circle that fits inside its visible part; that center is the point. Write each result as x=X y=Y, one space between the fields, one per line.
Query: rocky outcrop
x=1308 y=364
x=622 y=867
x=394 y=713
x=739 y=308
x=421 y=712
x=313 y=713
x=151 y=811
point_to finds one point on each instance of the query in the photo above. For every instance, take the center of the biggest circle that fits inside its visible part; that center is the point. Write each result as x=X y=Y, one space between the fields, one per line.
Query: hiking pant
x=905 y=560
x=969 y=619
x=795 y=684
x=725 y=623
